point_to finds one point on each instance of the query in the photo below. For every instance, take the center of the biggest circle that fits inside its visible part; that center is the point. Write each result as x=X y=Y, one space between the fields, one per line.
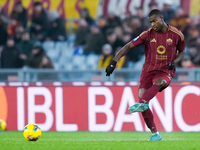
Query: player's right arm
x=124 y=50
x=134 y=43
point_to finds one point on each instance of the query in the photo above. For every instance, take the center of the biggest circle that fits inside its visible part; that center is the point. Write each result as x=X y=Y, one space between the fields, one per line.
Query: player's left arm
x=179 y=56
x=177 y=59
x=181 y=52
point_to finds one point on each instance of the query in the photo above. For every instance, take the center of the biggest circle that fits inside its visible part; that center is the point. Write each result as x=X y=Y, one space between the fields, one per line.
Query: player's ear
x=162 y=18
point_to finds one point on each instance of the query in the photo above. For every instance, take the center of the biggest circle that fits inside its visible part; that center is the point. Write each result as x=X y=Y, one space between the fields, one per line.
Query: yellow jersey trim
x=177 y=32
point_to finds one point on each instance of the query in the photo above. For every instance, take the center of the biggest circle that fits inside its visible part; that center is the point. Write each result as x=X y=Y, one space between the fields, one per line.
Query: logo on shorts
x=170 y=77
x=169 y=41
x=161 y=49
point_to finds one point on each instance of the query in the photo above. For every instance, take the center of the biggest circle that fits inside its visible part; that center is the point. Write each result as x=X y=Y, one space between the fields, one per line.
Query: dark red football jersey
x=160 y=48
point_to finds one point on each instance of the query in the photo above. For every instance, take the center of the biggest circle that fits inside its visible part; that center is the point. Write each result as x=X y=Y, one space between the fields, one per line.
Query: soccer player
x=164 y=47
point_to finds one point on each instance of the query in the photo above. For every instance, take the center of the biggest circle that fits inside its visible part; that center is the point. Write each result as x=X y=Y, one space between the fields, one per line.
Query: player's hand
x=172 y=65
x=111 y=67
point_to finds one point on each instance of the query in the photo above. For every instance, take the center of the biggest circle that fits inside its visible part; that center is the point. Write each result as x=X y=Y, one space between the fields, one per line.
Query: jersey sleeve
x=140 y=39
x=181 y=43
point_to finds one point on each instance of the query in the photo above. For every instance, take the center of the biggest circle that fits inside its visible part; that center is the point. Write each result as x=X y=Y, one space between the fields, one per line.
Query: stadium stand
x=66 y=57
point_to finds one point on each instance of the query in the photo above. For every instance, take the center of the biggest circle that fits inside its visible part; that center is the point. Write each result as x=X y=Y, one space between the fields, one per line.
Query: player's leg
x=149 y=120
x=144 y=84
x=160 y=81
x=141 y=92
x=154 y=82
x=139 y=107
x=158 y=84
x=148 y=115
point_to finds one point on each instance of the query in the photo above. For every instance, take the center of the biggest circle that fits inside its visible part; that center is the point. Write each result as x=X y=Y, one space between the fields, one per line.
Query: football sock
x=148 y=118
x=149 y=94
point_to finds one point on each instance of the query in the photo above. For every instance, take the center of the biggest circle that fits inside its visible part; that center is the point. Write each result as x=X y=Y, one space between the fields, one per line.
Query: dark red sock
x=149 y=94
x=148 y=118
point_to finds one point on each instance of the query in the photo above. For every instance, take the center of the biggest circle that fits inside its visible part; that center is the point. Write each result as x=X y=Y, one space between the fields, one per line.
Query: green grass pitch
x=13 y=140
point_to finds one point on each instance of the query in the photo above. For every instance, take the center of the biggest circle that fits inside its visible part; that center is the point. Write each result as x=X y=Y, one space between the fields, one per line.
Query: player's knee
x=160 y=82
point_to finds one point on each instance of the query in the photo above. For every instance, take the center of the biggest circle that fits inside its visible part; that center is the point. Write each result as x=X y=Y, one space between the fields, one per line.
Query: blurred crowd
x=103 y=36
x=18 y=40
x=106 y=35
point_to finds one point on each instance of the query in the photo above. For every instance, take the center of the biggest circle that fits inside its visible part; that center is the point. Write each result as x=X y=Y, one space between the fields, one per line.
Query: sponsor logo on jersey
x=161 y=49
x=161 y=57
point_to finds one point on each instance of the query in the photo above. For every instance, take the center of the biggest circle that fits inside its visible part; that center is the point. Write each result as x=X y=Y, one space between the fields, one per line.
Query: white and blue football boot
x=156 y=137
x=138 y=107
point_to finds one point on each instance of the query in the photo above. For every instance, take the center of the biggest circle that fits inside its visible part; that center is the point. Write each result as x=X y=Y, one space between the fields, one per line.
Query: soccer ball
x=32 y=132
x=2 y=125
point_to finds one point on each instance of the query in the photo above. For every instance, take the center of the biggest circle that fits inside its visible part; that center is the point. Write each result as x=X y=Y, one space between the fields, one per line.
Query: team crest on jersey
x=161 y=49
x=169 y=41
x=135 y=38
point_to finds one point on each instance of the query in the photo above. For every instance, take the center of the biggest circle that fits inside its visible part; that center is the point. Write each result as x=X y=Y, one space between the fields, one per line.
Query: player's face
x=156 y=22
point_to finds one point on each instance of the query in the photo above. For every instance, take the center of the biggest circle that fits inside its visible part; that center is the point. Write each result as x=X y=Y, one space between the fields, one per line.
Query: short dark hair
x=37 y=3
x=109 y=32
x=155 y=12
x=19 y=3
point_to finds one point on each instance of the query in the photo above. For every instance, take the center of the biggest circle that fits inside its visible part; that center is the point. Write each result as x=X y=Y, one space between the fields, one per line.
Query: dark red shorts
x=147 y=78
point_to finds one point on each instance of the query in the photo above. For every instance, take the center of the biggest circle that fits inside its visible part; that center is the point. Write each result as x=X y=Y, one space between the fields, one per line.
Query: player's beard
x=158 y=29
